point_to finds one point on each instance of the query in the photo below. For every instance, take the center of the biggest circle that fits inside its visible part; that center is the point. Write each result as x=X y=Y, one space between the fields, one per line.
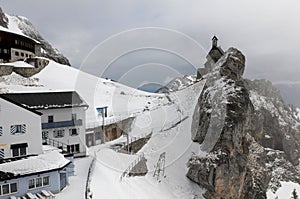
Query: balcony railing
x=69 y=123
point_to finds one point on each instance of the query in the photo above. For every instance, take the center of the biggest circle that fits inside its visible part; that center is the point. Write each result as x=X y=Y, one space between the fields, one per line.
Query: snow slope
x=122 y=101
x=175 y=141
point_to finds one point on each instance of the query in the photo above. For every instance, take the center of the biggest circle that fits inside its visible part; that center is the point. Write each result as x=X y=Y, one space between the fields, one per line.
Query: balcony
x=69 y=123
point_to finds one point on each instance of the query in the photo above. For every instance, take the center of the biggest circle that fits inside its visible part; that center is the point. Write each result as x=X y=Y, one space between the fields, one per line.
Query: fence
x=130 y=167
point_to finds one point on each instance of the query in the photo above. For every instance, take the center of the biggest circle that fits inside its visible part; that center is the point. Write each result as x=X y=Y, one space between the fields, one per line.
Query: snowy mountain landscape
x=214 y=135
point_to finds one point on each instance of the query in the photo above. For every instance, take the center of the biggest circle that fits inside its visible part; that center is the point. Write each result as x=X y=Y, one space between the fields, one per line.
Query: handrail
x=57 y=144
x=131 y=166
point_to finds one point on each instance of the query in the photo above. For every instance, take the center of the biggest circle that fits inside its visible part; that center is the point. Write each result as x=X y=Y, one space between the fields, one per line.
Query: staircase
x=136 y=168
x=58 y=144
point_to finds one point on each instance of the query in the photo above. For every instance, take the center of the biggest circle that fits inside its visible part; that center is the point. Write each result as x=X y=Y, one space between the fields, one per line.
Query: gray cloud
x=266 y=31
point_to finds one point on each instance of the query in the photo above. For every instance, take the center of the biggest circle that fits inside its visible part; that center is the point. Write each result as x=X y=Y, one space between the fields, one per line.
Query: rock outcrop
x=48 y=51
x=251 y=138
x=3 y=19
x=224 y=122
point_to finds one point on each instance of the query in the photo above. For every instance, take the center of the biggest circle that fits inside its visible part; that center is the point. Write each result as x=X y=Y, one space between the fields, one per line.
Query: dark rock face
x=251 y=137
x=28 y=29
x=224 y=121
x=3 y=19
x=274 y=123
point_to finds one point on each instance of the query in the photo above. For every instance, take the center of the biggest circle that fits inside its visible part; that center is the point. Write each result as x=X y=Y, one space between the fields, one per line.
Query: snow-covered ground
x=167 y=116
x=285 y=191
x=122 y=101
x=154 y=112
x=177 y=144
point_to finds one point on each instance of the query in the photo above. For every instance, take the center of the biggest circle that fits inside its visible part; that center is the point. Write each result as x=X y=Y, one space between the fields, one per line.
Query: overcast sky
x=267 y=32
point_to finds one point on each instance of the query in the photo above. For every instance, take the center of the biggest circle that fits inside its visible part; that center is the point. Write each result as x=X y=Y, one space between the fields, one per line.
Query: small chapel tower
x=214 y=42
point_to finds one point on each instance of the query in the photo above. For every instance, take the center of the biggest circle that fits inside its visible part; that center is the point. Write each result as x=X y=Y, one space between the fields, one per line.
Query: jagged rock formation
x=28 y=29
x=251 y=137
x=225 y=112
x=177 y=84
x=3 y=19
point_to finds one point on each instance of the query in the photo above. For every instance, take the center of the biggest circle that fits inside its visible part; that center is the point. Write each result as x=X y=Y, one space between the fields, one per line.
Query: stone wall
x=6 y=70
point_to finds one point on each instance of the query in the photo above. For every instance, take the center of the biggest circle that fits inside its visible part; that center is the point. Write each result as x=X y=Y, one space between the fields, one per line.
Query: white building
x=63 y=119
x=25 y=169
x=19 y=130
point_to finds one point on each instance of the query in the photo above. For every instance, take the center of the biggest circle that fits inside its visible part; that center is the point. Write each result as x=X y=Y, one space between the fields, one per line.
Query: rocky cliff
x=248 y=133
x=26 y=28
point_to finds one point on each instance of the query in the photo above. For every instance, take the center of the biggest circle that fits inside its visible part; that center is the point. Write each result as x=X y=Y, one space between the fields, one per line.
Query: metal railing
x=60 y=124
x=131 y=166
x=58 y=144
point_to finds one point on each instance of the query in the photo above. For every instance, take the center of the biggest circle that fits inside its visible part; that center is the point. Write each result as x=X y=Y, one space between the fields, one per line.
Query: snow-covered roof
x=13 y=27
x=47 y=100
x=16 y=33
x=18 y=64
x=35 y=164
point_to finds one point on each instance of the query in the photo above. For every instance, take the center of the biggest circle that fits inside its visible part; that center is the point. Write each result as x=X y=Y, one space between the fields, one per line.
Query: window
x=5 y=189
x=1 y=130
x=45 y=135
x=46 y=181
x=31 y=184
x=22 y=54
x=50 y=119
x=16 y=42
x=98 y=136
x=77 y=148
x=73 y=132
x=73 y=148
x=17 y=129
x=8 y=188
x=38 y=182
x=17 y=53
x=19 y=149
x=74 y=116
x=2 y=154
x=5 y=51
x=22 y=151
x=13 y=188
x=59 y=133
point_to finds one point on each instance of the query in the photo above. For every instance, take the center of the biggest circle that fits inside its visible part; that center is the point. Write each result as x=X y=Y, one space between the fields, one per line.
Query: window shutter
x=1 y=153
x=13 y=129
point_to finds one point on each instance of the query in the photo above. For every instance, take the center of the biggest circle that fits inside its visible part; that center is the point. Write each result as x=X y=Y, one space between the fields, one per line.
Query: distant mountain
x=21 y=25
x=290 y=93
x=178 y=83
x=151 y=87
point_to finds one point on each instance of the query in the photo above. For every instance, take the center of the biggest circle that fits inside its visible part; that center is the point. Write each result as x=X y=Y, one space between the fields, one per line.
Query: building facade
x=48 y=172
x=63 y=118
x=24 y=167
x=14 y=47
x=20 y=130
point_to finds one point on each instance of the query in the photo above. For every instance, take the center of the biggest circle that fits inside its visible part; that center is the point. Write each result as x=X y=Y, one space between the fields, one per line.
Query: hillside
x=122 y=101
x=21 y=25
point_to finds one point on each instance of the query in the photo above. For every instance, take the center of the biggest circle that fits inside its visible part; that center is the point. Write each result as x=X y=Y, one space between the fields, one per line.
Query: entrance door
x=63 y=180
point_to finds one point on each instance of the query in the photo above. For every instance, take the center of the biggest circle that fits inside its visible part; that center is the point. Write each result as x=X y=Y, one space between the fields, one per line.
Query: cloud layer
x=266 y=31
